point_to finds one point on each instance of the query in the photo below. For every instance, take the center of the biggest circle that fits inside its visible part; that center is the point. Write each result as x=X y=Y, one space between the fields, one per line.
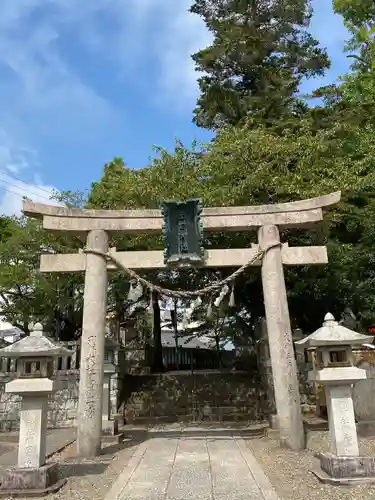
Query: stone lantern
x=335 y=370
x=110 y=380
x=35 y=355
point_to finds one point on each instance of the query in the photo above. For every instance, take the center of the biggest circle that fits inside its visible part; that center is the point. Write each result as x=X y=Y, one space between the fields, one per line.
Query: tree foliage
x=260 y=53
x=27 y=295
x=269 y=148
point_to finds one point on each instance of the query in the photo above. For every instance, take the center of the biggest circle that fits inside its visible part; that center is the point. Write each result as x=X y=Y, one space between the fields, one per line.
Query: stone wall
x=62 y=405
x=210 y=396
x=201 y=396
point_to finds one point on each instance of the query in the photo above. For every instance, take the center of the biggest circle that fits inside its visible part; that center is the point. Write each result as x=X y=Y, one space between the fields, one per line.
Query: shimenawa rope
x=181 y=294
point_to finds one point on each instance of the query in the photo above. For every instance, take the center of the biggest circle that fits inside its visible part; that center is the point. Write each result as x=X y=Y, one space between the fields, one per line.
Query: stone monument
x=35 y=355
x=336 y=371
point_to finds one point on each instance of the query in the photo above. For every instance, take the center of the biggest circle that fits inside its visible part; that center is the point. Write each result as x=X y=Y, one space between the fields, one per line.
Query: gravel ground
x=289 y=473
x=91 y=480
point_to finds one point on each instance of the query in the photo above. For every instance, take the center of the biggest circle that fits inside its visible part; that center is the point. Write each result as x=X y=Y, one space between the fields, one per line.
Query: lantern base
x=28 y=482
x=348 y=471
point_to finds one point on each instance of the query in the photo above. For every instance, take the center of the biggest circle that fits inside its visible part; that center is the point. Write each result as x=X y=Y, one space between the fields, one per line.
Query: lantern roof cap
x=34 y=345
x=331 y=334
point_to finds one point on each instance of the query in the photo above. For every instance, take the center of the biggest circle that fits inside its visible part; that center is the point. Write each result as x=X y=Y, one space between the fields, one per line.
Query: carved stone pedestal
x=30 y=482
x=350 y=471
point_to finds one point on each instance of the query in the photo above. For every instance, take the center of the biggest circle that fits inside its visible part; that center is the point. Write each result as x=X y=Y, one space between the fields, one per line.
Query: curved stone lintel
x=39 y=210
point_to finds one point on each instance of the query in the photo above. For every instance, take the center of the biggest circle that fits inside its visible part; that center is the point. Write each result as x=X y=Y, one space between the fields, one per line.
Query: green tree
x=358 y=88
x=29 y=296
x=243 y=166
x=260 y=53
x=359 y=19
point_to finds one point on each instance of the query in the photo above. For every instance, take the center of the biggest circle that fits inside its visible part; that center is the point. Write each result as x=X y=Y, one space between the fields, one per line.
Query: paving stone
x=191 y=495
x=191 y=467
x=149 y=474
x=145 y=490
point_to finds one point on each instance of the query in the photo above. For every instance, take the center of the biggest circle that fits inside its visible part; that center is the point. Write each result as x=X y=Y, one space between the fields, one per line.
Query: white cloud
x=15 y=162
x=43 y=85
x=15 y=190
x=152 y=33
x=132 y=35
x=328 y=28
x=41 y=95
x=185 y=35
x=180 y=34
x=45 y=92
x=43 y=89
x=13 y=159
x=121 y=31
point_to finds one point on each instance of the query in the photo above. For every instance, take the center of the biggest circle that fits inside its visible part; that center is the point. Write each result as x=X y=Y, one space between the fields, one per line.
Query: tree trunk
x=157 y=365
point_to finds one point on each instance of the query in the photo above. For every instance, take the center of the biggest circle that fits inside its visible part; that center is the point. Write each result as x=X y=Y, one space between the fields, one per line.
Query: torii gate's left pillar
x=89 y=417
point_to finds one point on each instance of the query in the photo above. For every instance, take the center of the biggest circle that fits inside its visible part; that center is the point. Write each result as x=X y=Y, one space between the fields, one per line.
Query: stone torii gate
x=96 y=226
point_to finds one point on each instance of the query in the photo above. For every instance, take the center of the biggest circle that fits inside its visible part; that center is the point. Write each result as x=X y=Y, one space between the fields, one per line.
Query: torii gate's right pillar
x=284 y=367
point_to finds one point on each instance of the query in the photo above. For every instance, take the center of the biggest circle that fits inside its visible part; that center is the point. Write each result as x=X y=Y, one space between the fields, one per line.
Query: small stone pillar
x=335 y=370
x=307 y=392
x=297 y=335
x=35 y=357
x=284 y=367
x=109 y=420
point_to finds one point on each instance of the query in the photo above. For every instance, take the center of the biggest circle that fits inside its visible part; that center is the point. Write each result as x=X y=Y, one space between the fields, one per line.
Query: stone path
x=192 y=466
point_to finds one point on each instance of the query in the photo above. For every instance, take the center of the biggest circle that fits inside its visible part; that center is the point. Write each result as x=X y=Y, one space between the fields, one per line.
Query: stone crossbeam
x=154 y=259
x=293 y=214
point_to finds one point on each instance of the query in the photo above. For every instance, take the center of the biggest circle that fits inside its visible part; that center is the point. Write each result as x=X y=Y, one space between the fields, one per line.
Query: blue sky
x=82 y=82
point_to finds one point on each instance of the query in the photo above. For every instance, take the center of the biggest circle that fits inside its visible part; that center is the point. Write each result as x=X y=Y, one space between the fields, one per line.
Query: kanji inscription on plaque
x=182 y=233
